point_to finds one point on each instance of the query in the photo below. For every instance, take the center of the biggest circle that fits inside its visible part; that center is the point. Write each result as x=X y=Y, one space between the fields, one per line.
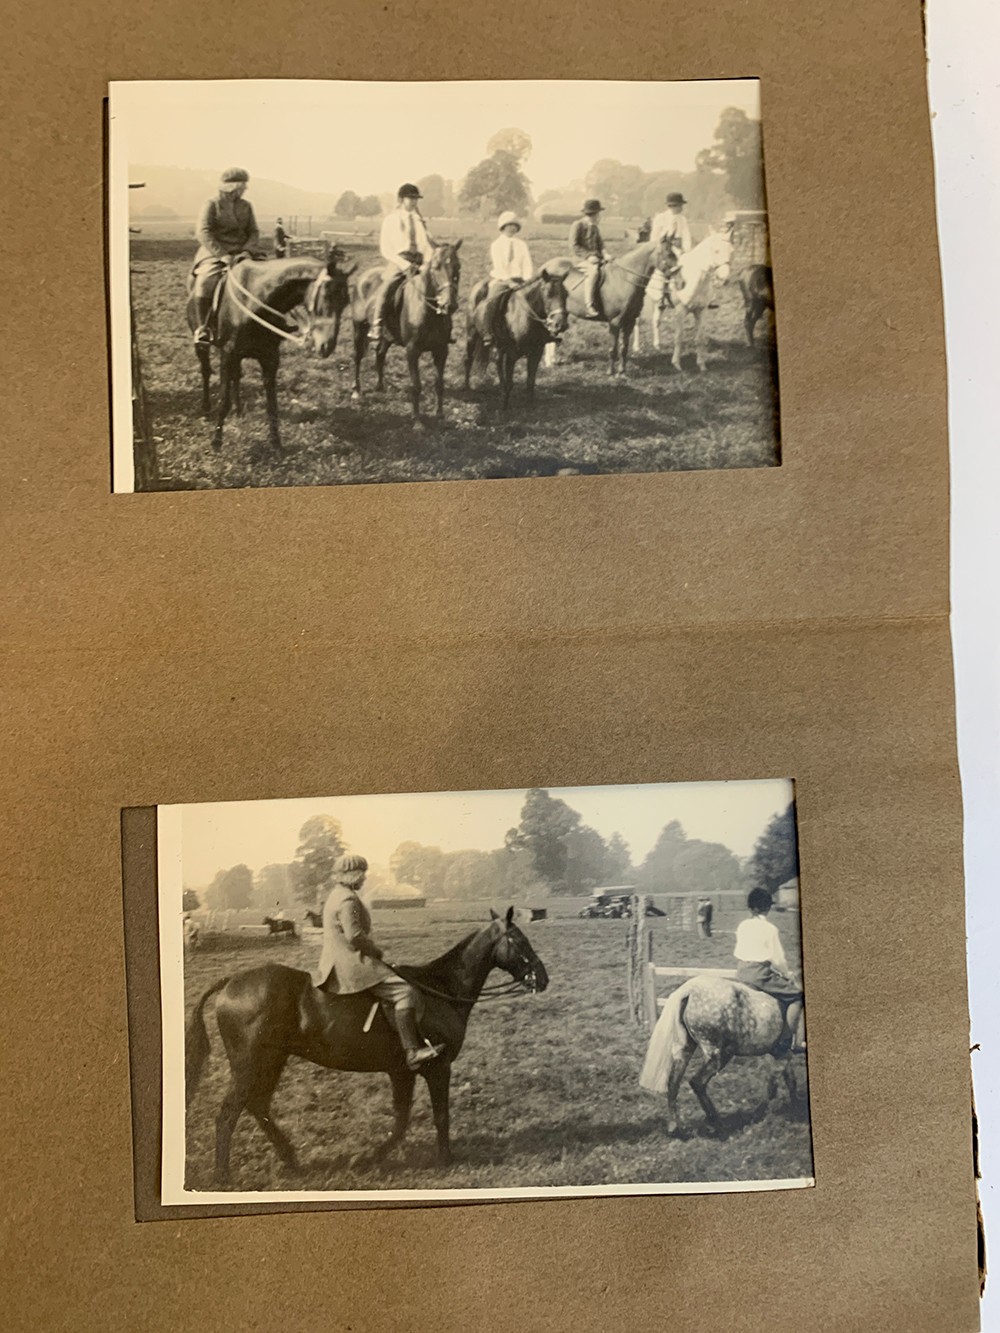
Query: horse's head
x=553 y=277
x=325 y=302
x=665 y=257
x=720 y=250
x=444 y=272
x=513 y=954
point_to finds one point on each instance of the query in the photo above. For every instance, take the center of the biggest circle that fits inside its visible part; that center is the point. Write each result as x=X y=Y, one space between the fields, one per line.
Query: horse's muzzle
x=535 y=980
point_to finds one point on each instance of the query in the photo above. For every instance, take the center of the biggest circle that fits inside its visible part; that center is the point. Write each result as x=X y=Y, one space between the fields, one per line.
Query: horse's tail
x=670 y=1037
x=196 y=1047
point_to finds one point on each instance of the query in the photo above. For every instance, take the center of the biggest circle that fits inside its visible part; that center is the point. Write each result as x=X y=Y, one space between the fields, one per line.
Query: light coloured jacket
x=396 y=237
x=347 y=922
x=674 y=225
x=510 y=258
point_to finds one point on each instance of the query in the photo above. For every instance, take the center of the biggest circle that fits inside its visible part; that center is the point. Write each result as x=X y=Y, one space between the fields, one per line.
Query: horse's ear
x=493 y=915
x=510 y=915
x=458 y=244
x=348 y=271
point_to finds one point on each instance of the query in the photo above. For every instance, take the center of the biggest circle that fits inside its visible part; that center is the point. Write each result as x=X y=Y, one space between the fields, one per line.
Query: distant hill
x=182 y=191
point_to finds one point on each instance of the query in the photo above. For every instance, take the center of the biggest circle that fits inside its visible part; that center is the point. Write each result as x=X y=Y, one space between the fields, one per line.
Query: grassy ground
x=545 y=1092
x=582 y=421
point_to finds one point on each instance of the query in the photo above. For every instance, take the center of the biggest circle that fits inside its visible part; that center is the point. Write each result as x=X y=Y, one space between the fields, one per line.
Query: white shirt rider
x=510 y=258
x=672 y=222
x=758 y=941
x=404 y=229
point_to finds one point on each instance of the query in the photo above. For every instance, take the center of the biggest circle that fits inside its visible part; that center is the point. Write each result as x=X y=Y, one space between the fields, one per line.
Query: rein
x=495 y=992
x=297 y=337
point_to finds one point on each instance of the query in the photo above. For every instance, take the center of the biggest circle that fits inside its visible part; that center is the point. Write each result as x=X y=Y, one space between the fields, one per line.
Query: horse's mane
x=441 y=969
x=270 y=275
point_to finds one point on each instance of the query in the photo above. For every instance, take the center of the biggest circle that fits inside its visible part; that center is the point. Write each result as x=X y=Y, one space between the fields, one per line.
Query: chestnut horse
x=266 y=1014
x=757 y=286
x=419 y=319
x=526 y=320
x=252 y=318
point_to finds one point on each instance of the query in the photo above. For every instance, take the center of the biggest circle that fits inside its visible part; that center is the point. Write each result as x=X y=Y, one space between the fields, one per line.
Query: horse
x=691 y=288
x=722 y=1017
x=265 y=1014
x=757 y=286
x=526 y=320
x=314 y=918
x=251 y=320
x=191 y=933
x=621 y=294
x=419 y=319
x=279 y=926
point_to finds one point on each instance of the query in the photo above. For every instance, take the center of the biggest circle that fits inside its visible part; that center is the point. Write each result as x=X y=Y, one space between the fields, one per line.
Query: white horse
x=699 y=273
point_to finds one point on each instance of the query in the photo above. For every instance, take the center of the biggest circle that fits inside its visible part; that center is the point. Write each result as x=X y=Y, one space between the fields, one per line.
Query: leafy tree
x=514 y=876
x=546 y=822
x=369 y=206
x=775 y=857
x=656 y=874
x=495 y=185
x=321 y=841
x=423 y=867
x=230 y=890
x=705 y=867
x=586 y=859
x=190 y=901
x=512 y=141
x=617 y=860
x=737 y=154
x=432 y=188
x=347 y=205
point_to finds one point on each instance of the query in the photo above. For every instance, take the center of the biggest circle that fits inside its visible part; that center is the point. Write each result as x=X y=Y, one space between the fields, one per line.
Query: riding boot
x=203 y=313
x=417 y=1053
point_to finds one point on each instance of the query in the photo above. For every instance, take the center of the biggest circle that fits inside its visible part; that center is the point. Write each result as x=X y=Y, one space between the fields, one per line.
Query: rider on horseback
x=405 y=246
x=351 y=961
x=227 y=232
x=587 y=245
x=761 y=963
x=510 y=267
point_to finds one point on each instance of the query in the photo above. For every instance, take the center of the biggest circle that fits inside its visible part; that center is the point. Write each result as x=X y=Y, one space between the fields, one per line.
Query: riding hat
x=506 y=219
x=235 y=176
x=676 y=198
x=408 y=191
x=593 y=206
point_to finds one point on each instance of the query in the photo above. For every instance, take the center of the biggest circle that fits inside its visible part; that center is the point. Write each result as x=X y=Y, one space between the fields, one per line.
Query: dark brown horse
x=253 y=318
x=280 y=926
x=419 y=320
x=266 y=1014
x=622 y=291
x=525 y=320
x=757 y=286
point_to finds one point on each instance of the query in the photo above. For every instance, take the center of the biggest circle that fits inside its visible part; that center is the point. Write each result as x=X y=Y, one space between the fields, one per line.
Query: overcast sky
x=370 y=137
x=256 y=833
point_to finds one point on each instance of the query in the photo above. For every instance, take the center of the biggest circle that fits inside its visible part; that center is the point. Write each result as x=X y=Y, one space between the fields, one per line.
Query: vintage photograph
x=320 y=283
x=486 y=994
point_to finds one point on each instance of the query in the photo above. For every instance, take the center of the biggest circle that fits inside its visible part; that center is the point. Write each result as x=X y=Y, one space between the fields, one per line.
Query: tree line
x=549 y=851
x=728 y=174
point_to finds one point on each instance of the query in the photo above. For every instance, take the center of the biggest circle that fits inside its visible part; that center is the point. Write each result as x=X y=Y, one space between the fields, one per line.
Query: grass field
x=544 y=1093
x=582 y=421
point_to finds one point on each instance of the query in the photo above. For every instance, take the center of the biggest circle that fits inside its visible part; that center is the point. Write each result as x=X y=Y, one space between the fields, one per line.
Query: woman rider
x=227 y=231
x=761 y=963
x=351 y=961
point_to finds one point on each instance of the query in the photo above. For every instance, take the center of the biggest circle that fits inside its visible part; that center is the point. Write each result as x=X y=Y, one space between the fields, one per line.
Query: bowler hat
x=675 y=198
x=592 y=206
x=408 y=191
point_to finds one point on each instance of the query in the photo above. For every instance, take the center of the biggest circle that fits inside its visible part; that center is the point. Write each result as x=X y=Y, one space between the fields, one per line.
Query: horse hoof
x=417 y=424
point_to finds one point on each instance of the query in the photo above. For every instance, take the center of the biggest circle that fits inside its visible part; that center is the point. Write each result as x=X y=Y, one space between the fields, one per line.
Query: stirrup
x=203 y=337
x=420 y=1055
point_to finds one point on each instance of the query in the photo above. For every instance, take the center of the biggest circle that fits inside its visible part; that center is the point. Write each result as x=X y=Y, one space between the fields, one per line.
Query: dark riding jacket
x=226 y=227
x=585 y=239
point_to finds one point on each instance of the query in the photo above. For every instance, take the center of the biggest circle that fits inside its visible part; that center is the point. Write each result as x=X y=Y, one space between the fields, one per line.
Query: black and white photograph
x=325 y=283
x=483 y=994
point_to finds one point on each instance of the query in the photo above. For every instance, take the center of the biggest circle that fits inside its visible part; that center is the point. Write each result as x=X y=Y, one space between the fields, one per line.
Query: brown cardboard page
x=786 y=621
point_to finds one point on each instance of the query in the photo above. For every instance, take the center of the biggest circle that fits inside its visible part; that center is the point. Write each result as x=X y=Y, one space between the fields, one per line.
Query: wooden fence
x=643 y=974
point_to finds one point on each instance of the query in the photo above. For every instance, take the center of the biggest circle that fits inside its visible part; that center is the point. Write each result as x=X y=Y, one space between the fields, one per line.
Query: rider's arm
x=206 y=231
x=353 y=926
x=390 y=241
x=579 y=250
x=253 y=231
x=522 y=263
x=778 y=959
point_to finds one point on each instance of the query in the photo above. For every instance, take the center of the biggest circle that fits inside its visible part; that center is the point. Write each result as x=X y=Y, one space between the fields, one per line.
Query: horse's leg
x=749 y=320
x=699 y=338
x=238 y=388
x=225 y=1122
x=403 y=1082
x=381 y=352
x=615 y=331
x=679 y=314
x=531 y=371
x=269 y=372
x=360 y=347
x=550 y=355
x=226 y=360
x=413 y=366
x=438 y=1077
x=259 y=1106
x=626 y=328
x=680 y=1058
x=715 y=1061
x=791 y=1086
x=471 y=347
x=205 y=364
x=506 y=367
x=440 y=357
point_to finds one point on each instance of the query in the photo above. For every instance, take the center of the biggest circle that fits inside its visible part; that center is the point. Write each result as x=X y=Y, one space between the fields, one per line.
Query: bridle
x=443 y=290
x=309 y=304
x=498 y=991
